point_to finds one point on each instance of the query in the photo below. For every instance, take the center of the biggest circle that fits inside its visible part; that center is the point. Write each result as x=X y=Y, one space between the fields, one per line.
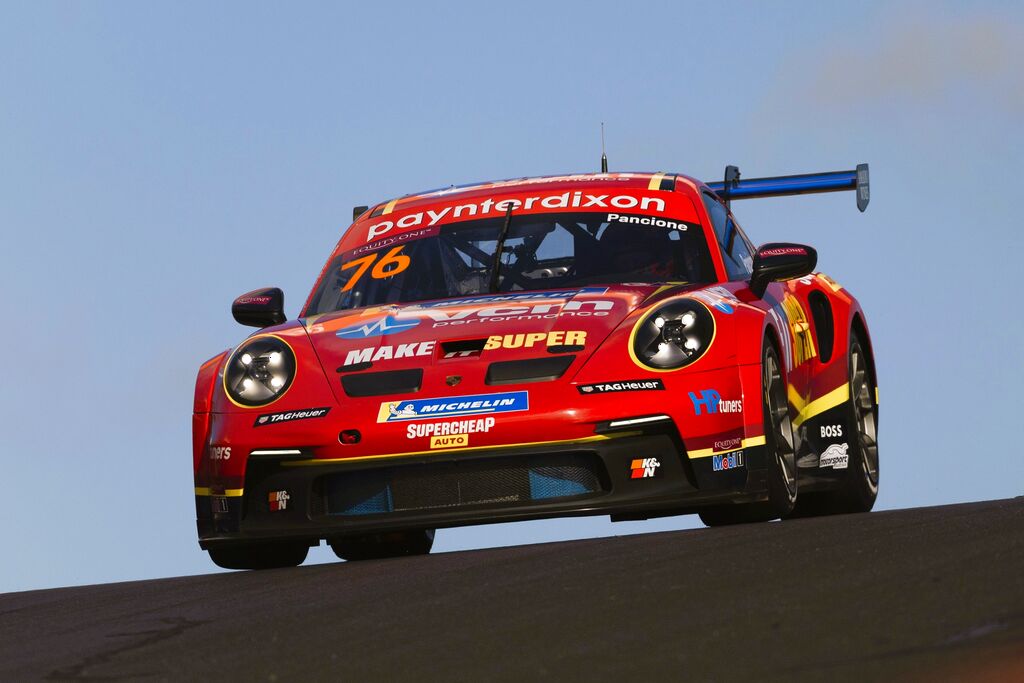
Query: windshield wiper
x=498 y=249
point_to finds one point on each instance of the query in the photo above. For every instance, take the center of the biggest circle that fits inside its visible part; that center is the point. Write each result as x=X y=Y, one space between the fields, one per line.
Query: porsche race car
x=593 y=344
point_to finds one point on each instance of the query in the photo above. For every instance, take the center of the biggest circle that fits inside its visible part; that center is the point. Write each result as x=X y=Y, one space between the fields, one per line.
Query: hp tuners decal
x=710 y=401
x=386 y=325
x=453 y=406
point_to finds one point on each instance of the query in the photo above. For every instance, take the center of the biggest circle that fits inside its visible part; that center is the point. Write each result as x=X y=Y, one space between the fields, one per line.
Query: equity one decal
x=490 y=206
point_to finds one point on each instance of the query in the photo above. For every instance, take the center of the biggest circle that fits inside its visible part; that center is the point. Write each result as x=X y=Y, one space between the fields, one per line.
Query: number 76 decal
x=393 y=263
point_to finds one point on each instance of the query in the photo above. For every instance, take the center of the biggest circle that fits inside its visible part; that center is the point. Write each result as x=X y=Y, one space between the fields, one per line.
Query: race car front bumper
x=633 y=472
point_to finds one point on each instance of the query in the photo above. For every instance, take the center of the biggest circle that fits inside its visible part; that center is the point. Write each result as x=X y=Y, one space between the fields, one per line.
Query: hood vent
x=382 y=383
x=529 y=370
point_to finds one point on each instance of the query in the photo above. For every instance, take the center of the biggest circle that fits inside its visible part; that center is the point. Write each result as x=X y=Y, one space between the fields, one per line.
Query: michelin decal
x=453 y=406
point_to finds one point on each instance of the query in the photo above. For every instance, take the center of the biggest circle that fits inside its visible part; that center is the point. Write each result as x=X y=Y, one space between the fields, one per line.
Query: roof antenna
x=604 y=159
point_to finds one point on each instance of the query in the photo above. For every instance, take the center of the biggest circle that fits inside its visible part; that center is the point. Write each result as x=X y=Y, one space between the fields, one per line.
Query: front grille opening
x=545 y=369
x=465 y=483
x=383 y=383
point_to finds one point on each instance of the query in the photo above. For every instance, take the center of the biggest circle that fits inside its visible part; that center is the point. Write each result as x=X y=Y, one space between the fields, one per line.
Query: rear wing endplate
x=808 y=183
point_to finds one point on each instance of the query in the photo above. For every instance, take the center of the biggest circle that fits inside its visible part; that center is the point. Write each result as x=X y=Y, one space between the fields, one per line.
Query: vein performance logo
x=386 y=325
x=289 y=416
x=452 y=406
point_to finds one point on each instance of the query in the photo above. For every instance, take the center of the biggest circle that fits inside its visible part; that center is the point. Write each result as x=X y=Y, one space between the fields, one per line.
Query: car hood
x=498 y=327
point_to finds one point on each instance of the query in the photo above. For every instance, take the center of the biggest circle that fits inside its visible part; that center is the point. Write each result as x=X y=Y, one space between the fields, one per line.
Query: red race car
x=572 y=345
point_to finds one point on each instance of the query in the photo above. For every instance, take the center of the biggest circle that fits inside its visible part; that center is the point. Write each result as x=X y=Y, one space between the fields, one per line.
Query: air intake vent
x=381 y=383
x=462 y=348
x=530 y=370
x=503 y=482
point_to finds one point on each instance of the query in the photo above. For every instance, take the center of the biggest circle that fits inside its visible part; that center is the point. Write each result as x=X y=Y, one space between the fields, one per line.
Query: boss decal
x=831 y=431
x=622 y=385
x=289 y=416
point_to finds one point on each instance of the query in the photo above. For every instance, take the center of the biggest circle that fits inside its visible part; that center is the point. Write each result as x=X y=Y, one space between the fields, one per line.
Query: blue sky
x=158 y=160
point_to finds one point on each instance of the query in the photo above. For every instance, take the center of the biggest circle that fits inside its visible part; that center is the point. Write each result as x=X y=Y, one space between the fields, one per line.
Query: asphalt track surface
x=922 y=595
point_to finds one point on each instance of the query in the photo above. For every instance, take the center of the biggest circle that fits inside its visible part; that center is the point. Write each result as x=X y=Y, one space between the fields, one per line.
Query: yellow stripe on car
x=836 y=397
x=708 y=452
x=229 y=493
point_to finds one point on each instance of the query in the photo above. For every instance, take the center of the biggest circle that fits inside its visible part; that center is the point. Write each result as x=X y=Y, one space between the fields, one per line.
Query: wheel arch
x=860 y=328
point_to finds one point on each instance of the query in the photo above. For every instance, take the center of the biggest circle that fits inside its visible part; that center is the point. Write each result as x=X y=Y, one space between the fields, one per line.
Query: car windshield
x=540 y=251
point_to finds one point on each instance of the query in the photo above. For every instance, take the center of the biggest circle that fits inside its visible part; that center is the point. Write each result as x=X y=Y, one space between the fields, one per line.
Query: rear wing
x=781 y=186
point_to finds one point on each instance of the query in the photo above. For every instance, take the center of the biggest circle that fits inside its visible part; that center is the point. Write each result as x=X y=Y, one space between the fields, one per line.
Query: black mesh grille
x=383 y=383
x=500 y=482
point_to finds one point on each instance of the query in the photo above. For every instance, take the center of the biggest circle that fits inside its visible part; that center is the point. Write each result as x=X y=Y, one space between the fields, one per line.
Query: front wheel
x=260 y=555
x=780 y=448
x=380 y=546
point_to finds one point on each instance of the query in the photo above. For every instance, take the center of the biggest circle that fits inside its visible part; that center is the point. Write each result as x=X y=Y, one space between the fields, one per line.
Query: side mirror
x=781 y=261
x=260 y=307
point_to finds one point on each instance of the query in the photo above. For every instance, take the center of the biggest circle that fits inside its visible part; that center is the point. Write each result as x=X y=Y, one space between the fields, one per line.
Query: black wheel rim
x=780 y=423
x=862 y=391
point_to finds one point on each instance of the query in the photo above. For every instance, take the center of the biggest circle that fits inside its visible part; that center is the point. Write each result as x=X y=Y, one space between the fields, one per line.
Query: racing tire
x=781 y=453
x=859 y=488
x=381 y=546
x=260 y=556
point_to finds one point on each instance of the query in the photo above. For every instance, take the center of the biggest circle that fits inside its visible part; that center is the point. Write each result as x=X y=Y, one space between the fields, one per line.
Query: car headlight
x=259 y=372
x=672 y=336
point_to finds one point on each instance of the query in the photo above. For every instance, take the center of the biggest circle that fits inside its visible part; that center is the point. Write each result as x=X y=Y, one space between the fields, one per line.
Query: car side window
x=736 y=250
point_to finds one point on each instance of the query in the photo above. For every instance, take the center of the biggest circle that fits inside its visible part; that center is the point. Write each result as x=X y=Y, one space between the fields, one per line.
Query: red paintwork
x=557 y=410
